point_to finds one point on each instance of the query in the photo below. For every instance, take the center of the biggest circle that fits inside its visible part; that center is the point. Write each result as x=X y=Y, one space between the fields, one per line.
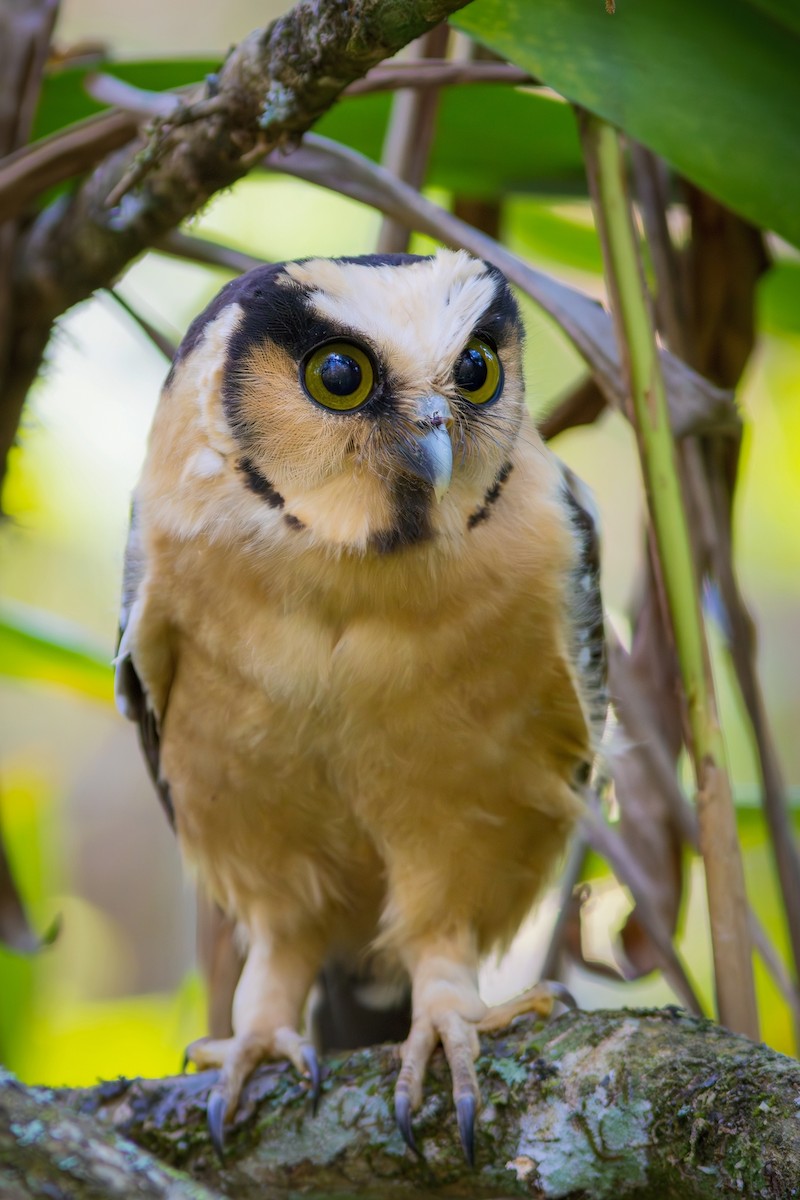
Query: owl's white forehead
x=421 y=312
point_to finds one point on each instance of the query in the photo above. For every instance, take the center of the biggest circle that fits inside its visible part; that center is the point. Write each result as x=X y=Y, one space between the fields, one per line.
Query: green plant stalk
x=736 y=1002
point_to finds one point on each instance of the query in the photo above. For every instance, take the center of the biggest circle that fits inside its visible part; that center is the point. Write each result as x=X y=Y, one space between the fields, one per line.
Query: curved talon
x=309 y=1056
x=402 y=1116
x=215 y=1118
x=561 y=993
x=465 y=1112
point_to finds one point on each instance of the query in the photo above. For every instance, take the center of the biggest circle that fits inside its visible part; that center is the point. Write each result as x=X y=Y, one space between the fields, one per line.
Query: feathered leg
x=267 y=1011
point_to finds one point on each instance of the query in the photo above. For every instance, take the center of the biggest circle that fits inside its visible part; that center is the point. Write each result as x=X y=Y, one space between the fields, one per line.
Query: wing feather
x=130 y=692
x=589 y=643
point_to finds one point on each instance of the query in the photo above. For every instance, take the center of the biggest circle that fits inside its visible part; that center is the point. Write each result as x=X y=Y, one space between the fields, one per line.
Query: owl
x=361 y=636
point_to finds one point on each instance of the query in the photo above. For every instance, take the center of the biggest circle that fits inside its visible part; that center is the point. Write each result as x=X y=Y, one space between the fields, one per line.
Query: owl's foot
x=540 y=1000
x=237 y=1058
x=459 y=1038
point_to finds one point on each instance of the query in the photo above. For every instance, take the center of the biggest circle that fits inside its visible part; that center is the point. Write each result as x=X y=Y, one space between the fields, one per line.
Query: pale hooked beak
x=428 y=453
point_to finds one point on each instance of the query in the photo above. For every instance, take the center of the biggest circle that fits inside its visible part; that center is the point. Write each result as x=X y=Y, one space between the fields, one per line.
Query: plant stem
x=736 y=1003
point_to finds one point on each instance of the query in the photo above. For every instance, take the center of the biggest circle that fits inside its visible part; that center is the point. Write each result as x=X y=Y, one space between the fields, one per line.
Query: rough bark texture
x=647 y=1105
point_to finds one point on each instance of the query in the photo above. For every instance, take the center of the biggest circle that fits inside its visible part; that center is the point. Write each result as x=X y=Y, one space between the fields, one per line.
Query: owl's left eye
x=478 y=372
x=338 y=375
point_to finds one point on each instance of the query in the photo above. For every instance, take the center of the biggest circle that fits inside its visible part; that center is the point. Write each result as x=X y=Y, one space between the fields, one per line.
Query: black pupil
x=471 y=371
x=340 y=374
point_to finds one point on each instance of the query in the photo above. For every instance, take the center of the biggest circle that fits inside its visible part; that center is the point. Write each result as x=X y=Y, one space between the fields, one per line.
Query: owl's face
x=372 y=402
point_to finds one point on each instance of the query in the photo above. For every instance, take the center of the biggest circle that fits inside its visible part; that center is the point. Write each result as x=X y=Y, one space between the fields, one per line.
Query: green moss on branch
x=648 y=1105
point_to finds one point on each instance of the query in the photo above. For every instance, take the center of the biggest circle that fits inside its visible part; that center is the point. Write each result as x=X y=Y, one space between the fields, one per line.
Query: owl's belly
x=376 y=761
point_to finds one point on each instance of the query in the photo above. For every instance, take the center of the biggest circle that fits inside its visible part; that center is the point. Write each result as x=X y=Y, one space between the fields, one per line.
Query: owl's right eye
x=339 y=376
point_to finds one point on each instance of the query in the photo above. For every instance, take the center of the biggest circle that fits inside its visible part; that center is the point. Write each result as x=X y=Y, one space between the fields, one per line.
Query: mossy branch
x=641 y=1104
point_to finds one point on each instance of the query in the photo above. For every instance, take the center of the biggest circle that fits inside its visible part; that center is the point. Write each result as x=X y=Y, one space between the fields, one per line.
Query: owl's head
x=370 y=403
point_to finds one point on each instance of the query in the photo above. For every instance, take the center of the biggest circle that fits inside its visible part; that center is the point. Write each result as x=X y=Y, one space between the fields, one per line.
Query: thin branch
x=570 y=876
x=652 y=188
x=162 y=343
x=202 y=250
x=30 y=171
x=610 y=845
x=408 y=141
x=139 y=102
x=582 y=405
x=436 y=73
x=74 y=150
x=718 y=839
x=695 y=404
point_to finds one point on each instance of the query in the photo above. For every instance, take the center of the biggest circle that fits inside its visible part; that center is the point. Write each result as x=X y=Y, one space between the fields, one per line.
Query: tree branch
x=649 y=1104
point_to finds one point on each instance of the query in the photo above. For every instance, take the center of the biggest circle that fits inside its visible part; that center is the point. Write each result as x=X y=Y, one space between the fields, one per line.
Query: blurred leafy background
x=118 y=992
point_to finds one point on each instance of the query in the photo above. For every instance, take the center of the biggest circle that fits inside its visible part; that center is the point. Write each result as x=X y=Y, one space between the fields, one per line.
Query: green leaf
x=779 y=298
x=713 y=87
x=35 y=646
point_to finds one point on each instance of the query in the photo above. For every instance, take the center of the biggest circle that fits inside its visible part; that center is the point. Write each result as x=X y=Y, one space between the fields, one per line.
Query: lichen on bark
x=640 y=1104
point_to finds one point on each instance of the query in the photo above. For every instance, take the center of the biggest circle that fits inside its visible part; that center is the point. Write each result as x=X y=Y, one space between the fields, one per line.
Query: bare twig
x=162 y=343
x=202 y=250
x=107 y=89
x=49 y=162
x=727 y=258
x=408 y=140
x=417 y=73
x=551 y=966
x=437 y=72
x=580 y=406
x=612 y=848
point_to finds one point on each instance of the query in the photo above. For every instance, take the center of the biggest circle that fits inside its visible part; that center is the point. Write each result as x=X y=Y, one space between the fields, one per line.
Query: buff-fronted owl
x=362 y=639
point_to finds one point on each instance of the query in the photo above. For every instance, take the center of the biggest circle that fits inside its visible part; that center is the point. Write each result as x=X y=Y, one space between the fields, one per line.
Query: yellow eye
x=338 y=375
x=478 y=372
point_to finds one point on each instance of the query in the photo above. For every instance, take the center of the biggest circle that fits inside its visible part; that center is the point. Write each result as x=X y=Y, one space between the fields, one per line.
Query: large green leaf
x=713 y=86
